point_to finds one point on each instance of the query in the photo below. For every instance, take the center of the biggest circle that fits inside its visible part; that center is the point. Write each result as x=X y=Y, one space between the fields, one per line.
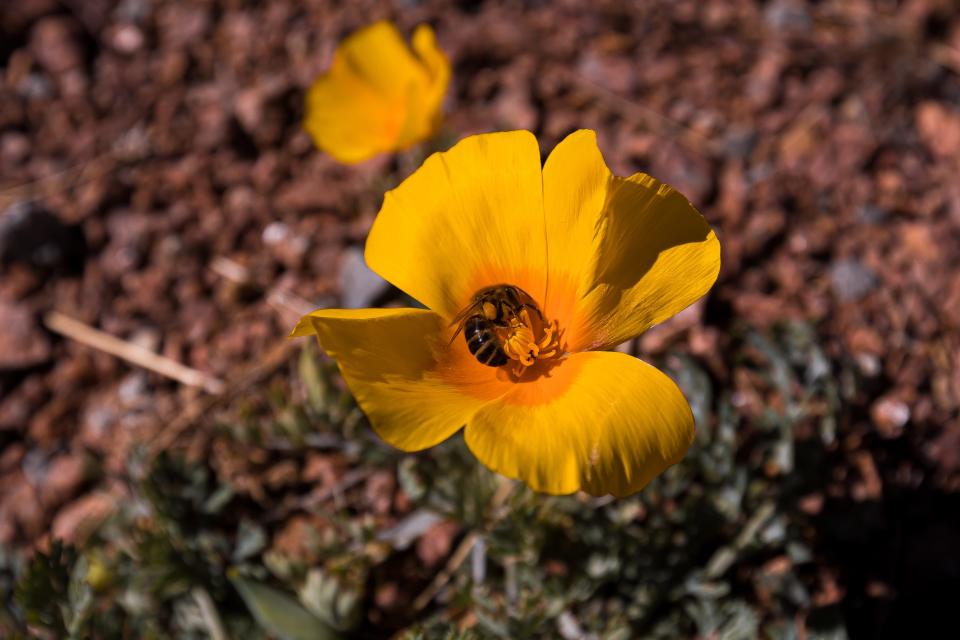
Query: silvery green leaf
x=325 y=597
x=218 y=500
x=405 y=532
x=312 y=377
x=279 y=613
x=251 y=540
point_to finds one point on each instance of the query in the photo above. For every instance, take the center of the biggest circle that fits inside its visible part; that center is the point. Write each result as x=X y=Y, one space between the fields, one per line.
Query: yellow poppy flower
x=601 y=258
x=378 y=95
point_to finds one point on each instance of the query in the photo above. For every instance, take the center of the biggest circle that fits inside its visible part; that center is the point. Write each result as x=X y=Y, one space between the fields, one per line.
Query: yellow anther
x=528 y=340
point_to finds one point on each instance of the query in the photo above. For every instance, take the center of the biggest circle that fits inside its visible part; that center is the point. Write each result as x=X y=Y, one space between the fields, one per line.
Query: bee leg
x=526 y=305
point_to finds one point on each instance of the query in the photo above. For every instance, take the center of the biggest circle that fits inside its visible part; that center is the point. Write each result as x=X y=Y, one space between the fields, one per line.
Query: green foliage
x=54 y=594
x=280 y=613
x=683 y=557
x=439 y=630
x=712 y=548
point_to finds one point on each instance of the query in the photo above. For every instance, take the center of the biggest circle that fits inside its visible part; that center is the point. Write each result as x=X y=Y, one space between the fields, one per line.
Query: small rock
x=21 y=506
x=22 y=402
x=80 y=518
x=939 y=128
x=35 y=465
x=14 y=147
x=739 y=141
x=686 y=172
x=298 y=537
x=378 y=492
x=788 y=15
x=869 y=486
x=287 y=247
x=410 y=529
x=944 y=450
x=851 y=280
x=98 y=421
x=387 y=596
x=54 y=42
x=126 y=39
x=434 y=545
x=133 y=10
x=275 y=233
x=35 y=86
x=248 y=107
x=616 y=73
x=64 y=476
x=8 y=532
x=889 y=416
x=868 y=364
x=11 y=456
x=33 y=236
x=23 y=344
x=302 y=194
x=133 y=390
x=128 y=245
x=281 y=474
x=359 y=285
x=872 y=214
x=812 y=504
x=323 y=470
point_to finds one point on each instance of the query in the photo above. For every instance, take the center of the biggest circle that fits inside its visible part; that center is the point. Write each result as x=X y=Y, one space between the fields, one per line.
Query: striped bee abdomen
x=482 y=341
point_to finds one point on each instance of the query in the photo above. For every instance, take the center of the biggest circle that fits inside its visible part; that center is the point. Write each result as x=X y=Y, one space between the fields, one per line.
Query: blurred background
x=172 y=466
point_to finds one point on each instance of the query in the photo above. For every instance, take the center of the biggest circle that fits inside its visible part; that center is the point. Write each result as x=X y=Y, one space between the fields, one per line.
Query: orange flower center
x=529 y=338
x=503 y=325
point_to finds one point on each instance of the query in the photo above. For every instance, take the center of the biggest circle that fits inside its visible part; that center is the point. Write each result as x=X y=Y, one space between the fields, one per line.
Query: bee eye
x=489 y=311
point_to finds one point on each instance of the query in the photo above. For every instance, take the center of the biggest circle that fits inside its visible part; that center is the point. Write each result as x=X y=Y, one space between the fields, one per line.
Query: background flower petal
x=624 y=253
x=379 y=55
x=348 y=119
x=469 y=217
x=427 y=102
x=603 y=422
x=378 y=95
x=389 y=359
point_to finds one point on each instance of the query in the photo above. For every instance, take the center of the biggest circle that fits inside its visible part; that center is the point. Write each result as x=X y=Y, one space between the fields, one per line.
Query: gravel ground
x=155 y=184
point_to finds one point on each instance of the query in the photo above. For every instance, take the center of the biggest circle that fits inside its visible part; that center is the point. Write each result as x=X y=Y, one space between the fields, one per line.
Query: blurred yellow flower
x=378 y=95
x=580 y=261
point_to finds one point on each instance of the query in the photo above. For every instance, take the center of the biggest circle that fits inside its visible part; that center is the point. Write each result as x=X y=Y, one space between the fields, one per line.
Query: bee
x=488 y=317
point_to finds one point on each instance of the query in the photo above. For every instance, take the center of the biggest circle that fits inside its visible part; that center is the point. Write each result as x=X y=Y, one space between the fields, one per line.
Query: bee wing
x=459 y=318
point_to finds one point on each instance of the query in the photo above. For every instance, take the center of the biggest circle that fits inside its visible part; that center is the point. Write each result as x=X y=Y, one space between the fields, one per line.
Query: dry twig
x=132 y=353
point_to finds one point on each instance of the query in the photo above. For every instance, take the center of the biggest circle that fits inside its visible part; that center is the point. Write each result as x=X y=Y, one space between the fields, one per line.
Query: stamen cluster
x=528 y=340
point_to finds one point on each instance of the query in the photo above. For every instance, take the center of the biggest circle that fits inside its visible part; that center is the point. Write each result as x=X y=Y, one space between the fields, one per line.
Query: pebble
x=359 y=285
x=31 y=235
x=64 y=475
x=788 y=15
x=851 y=280
x=78 y=519
x=890 y=415
x=23 y=344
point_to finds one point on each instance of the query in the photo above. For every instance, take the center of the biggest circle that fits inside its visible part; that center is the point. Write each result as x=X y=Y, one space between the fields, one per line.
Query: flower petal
x=378 y=55
x=469 y=217
x=390 y=359
x=625 y=253
x=348 y=119
x=603 y=422
x=426 y=102
x=378 y=95
x=424 y=44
